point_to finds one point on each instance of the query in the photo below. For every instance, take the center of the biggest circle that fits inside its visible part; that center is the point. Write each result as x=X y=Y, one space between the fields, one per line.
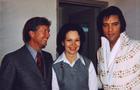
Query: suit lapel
x=47 y=59
x=29 y=61
x=45 y=64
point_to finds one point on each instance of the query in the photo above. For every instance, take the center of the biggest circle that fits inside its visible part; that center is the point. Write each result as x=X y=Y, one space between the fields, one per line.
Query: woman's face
x=71 y=43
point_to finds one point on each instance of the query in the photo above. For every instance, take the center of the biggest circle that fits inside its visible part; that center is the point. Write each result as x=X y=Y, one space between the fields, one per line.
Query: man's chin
x=43 y=46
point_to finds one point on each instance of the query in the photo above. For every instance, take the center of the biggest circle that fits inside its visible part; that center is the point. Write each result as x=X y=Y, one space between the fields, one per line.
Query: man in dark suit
x=19 y=70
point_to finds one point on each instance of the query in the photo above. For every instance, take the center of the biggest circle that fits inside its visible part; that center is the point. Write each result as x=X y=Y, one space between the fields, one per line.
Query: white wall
x=14 y=14
x=131 y=11
x=1 y=28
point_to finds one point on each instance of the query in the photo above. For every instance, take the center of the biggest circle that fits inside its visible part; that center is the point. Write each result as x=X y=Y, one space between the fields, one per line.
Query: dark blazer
x=18 y=71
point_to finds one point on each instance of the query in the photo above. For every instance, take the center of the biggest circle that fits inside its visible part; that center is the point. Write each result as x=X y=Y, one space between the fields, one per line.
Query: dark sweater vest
x=72 y=78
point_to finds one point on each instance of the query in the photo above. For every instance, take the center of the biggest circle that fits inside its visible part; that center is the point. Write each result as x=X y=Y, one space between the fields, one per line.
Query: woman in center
x=71 y=70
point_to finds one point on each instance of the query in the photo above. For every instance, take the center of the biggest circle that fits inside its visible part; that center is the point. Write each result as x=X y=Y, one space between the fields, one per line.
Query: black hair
x=62 y=35
x=32 y=24
x=107 y=12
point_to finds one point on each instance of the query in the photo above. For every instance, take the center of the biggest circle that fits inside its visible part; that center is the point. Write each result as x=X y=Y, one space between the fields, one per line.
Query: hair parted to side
x=106 y=13
x=32 y=24
x=62 y=35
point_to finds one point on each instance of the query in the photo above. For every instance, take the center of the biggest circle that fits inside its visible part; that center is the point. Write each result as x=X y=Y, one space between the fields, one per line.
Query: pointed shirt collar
x=63 y=58
x=32 y=51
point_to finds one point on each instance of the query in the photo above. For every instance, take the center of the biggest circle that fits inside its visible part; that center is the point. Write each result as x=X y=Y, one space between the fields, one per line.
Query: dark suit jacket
x=18 y=71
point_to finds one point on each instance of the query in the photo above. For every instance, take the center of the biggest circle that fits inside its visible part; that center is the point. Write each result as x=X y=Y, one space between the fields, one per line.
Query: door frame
x=94 y=3
x=88 y=3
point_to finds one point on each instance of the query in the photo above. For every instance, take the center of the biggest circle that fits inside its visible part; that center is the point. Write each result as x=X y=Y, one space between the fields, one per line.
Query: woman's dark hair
x=62 y=35
x=112 y=10
x=32 y=24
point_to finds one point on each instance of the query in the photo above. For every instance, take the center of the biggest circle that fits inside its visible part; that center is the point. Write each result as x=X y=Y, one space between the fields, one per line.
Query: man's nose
x=110 y=28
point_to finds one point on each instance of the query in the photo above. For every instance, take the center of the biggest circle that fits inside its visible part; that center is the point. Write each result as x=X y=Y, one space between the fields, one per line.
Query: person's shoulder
x=59 y=59
x=135 y=41
x=11 y=56
x=14 y=53
x=48 y=56
x=58 y=63
x=86 y=59
x=47 y=53
x=132 y=45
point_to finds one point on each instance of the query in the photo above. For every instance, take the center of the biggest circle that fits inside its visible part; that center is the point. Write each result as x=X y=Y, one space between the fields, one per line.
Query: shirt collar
x=32 y=51
x=63 y=58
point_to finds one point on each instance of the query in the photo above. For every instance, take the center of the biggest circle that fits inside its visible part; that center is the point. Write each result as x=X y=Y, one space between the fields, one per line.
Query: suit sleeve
x=7 y=74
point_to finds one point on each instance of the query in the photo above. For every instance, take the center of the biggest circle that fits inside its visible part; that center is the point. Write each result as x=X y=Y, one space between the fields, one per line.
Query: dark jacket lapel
x=28 y=60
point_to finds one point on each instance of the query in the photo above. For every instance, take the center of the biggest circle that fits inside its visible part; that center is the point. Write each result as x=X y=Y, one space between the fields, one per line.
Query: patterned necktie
x=40 y=62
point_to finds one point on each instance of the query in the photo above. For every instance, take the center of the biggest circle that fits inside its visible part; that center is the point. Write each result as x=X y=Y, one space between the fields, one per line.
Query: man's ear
x=31 y=33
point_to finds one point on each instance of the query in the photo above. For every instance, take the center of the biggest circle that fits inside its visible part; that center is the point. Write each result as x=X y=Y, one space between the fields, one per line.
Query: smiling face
x=39 y=37
x=71 y=43
x=112 y=29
